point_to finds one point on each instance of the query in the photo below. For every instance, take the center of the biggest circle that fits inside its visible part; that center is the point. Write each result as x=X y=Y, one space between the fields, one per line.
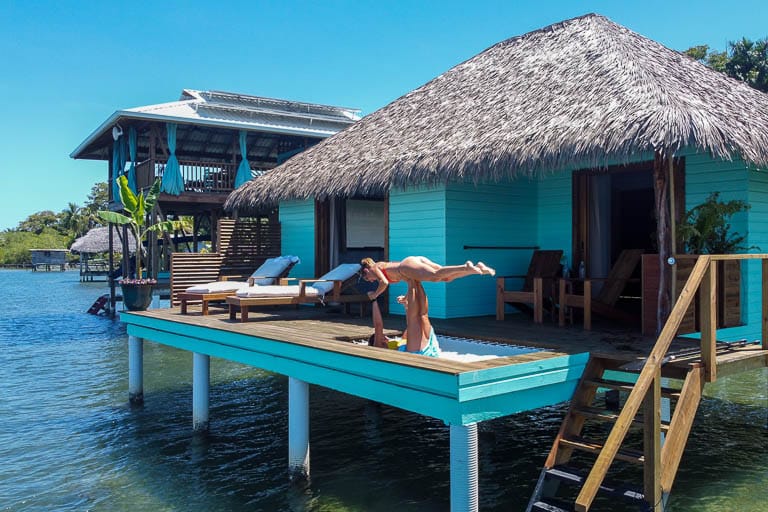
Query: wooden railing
x=208 y=177
x=703 y=278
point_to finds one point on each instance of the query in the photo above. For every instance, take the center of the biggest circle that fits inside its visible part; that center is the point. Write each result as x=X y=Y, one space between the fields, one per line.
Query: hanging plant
x=706 y=228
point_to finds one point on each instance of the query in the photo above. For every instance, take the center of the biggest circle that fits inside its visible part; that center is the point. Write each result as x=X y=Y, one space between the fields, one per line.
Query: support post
x=298 y=428
x=135 y=370
x=201 y=383
x=652 y=445
x=464 y=492
x=708 y=306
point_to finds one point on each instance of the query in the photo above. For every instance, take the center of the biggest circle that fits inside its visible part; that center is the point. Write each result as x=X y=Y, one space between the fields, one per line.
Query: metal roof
x=224 y=110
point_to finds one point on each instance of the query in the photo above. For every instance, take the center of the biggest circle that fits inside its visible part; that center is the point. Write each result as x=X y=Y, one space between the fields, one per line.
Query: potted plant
x=137 y=291
x=706 y=229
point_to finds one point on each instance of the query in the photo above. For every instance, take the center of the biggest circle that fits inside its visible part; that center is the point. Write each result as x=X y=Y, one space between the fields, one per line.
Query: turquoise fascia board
x=458 y=399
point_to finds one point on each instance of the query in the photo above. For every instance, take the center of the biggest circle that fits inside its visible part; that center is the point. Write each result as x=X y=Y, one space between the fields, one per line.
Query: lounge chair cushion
x=340 y=273
x=276 y=291
x=272 y=268
x=217 y=287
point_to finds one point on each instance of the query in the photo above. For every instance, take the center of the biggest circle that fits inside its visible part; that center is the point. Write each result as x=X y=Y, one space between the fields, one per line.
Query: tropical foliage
x=744 y=60
x=137 y=207
x=706 y=228
x=49 y=230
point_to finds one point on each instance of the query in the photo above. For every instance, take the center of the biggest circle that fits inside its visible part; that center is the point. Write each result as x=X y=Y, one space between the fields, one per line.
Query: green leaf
x=166 y=225
x=152 y=195
x=127 y=197
x=114 y=217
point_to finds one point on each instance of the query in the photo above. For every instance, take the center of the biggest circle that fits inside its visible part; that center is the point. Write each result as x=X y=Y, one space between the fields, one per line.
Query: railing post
x=708 y=303
x=652 y=444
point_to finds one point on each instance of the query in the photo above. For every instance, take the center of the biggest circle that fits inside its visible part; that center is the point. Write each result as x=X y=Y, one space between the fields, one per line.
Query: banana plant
x=137 y=207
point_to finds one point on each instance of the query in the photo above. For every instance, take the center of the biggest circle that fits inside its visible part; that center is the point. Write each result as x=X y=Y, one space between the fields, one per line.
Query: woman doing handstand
x=416 y=268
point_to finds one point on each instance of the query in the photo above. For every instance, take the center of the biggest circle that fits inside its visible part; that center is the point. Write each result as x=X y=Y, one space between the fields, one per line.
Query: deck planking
x=327 y=329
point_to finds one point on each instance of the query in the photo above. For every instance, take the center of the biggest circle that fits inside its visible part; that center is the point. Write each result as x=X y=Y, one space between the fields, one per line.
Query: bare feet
x=485 y=269
x=473 y=268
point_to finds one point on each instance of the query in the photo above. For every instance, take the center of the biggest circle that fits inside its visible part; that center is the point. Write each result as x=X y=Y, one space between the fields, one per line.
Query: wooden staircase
x=565 y=474
x=581 y=464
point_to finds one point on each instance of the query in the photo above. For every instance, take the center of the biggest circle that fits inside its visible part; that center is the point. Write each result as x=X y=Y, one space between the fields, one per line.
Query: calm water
x=69 y=440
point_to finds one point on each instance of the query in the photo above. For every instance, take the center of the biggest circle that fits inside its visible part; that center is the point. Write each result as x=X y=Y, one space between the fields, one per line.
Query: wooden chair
x=272 y=271
x=604 y=304
x=542 y=271
x=338 y=285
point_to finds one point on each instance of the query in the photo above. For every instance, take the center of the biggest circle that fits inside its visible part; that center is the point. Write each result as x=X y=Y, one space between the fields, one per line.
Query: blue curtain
x=118 y=165
x=243 y=175
x=132 y=151
x=172 y=183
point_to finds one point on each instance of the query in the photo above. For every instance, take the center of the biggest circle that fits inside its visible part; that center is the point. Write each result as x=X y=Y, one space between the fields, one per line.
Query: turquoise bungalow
x=582 y=137
x=562 y=138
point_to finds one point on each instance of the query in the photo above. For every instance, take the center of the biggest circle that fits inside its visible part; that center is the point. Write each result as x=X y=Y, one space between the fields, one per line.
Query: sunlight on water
x=70 y=441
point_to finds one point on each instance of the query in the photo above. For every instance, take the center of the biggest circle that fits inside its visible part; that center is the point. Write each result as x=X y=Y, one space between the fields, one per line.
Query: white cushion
x=272 y=268
x=276 y=291
x=340 y=273
x=217 y=287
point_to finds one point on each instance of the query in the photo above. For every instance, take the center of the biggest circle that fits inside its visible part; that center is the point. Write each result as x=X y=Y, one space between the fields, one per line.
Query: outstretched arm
x=383 y=282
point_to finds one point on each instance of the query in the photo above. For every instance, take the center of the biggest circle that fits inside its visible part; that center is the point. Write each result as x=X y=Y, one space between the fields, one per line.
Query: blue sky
x=67 y=66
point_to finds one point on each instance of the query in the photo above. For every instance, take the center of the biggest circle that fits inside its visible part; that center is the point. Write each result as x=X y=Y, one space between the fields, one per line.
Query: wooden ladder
x=566 y=484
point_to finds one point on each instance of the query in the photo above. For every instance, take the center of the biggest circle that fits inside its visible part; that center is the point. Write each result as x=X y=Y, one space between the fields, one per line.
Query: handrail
x=703 y=276
x=641 y=387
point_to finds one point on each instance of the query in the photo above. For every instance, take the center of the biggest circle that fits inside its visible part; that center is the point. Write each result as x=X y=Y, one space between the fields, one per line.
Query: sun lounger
x=335 y=286
x=270 y=272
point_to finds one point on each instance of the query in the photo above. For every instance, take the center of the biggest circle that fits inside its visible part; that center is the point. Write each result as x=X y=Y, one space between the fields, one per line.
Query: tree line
x=50 y=230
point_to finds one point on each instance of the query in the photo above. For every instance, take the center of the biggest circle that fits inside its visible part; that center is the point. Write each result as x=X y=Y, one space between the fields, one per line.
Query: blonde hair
x=367 y=263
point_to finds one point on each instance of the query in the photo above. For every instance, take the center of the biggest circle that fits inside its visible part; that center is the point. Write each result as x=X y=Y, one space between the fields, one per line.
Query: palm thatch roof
x=578 y=93
x=97 y=240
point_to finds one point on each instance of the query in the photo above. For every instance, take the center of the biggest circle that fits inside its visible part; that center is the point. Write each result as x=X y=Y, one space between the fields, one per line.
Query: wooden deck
x=325 y=327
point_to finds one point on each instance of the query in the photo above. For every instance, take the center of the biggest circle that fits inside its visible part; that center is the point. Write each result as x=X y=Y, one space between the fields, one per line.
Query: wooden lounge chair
x=604 y=304
x=338 y=285
x=272 y=271
x=542 y=271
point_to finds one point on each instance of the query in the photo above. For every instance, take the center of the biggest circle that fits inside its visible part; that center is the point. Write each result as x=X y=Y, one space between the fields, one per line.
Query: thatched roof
x=574 y=94
x=97 y=240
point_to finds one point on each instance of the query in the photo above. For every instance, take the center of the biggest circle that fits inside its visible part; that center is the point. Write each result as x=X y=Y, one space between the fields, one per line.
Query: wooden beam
x=680 y=426
x=708 y=306
x=652 y=444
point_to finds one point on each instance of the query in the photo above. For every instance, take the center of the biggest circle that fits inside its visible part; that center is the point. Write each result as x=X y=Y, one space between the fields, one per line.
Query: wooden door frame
x=581 y=200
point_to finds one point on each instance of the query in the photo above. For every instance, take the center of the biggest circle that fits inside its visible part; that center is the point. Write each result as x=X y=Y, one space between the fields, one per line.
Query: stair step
x=576 y=477
x=587 y=445
x=628 y=387
x=551 y=506
x=606 y=415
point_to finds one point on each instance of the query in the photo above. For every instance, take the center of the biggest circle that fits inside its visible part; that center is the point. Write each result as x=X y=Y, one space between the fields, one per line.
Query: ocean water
x=70 y=441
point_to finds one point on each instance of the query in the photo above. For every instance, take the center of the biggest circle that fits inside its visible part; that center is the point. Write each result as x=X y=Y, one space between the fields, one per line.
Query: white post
x=298 y=428
x=135 y=370
x=201 y=383
x=464 y=496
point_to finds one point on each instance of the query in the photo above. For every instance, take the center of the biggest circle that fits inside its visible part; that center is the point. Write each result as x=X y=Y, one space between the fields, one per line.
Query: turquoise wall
x=297 y=224
x=417 y=227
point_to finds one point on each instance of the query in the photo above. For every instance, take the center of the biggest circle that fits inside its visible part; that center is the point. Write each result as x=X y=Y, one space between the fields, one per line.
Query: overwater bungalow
x=203 y=146
x=582 y=137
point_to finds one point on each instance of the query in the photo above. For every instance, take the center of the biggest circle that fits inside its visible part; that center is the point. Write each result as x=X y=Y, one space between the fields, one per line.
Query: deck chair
x=604 y=304
x=269 y=273
x=338 y=285
x=542 y=271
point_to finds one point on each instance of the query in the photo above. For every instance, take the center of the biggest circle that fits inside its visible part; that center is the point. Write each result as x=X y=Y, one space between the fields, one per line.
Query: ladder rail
x=644 y=382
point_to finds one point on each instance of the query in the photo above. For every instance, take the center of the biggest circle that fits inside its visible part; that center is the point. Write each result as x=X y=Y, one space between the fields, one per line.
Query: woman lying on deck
x=416 y=269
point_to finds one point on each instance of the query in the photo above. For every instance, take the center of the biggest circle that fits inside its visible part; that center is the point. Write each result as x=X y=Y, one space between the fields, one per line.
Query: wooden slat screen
x=243 y=246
